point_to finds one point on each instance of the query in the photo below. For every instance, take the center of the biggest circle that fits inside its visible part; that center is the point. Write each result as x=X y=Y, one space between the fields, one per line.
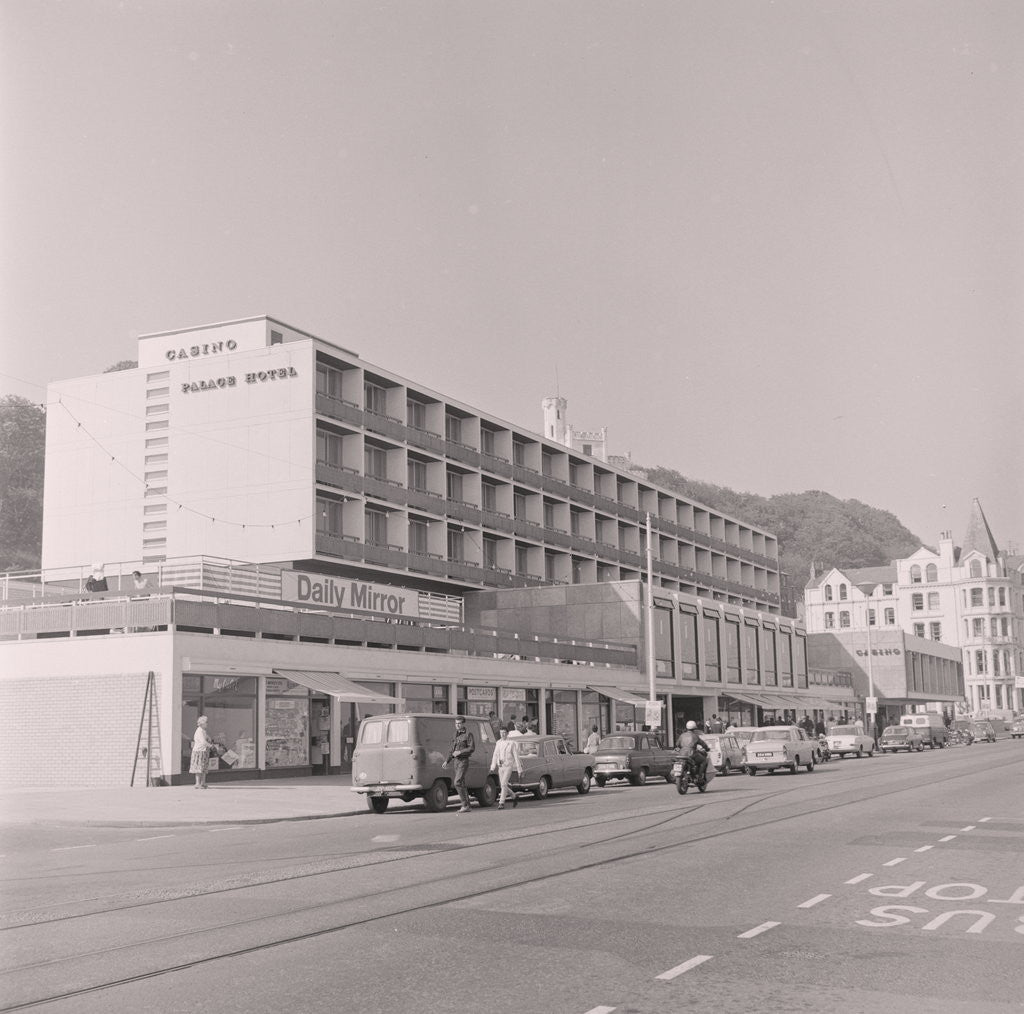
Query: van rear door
x=369 y=752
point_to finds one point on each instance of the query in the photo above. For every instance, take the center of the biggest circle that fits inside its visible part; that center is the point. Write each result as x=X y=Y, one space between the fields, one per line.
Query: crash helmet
x=691 y=725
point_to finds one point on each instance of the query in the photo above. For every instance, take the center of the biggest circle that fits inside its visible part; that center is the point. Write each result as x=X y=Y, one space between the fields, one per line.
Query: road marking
x=984 y=819
x=857 y=879
x=949 y=837
x=757 y=930
x=394 y=837
x=600 y=1010
x=970 y=827
x=811 y=902
x=234 y=827
x=924 y=848
x=155 y=837
x=895 y=862
x=684 y=967
x=70 y=848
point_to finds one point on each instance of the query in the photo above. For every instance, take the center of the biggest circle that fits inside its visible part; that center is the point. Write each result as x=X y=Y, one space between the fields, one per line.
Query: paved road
x=878 y=885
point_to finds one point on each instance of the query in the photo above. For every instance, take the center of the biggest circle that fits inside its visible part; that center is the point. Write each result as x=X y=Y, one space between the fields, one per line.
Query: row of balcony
x=397 y=430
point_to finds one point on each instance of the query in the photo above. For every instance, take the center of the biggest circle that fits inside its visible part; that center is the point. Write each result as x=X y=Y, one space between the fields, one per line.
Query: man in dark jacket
x=692 y=747
x=461 y=750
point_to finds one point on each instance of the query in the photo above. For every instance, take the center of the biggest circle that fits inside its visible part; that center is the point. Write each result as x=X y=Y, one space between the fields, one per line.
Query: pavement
x=260 y=801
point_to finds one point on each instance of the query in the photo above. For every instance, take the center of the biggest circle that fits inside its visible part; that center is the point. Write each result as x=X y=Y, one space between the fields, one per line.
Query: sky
x=775 y=246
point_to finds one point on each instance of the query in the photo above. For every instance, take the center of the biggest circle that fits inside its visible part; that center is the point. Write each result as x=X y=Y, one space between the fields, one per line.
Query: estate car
x=633 y=756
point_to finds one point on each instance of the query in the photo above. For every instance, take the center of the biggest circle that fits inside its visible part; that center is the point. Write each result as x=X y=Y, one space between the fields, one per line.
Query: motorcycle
x=684 y=775
x=824 y=752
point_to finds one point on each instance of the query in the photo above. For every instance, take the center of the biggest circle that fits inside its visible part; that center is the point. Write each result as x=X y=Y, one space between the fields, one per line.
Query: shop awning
x=622 y=696
x=746 y=698
x=774 y=702
x=336 y=685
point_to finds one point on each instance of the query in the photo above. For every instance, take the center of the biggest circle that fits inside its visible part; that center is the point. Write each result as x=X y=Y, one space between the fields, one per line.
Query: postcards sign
x=340 y=593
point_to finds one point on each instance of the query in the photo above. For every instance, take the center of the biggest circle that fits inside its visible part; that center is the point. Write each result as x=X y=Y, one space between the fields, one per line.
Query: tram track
x=339 y=922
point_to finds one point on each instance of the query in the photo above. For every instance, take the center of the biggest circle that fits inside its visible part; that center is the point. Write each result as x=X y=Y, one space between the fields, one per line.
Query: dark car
x=900 y=737
x=634 y=756
x=983 y=732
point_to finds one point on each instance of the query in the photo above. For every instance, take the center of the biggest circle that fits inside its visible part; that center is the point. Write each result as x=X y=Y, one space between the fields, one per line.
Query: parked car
x=549 y=764
x=983 y=731
x=844 y=739
x=399 y=756
x=932 y=726
x=726 y=752
x=1017 y=729
x=635 y=756
x=780 y=746
x=743 y=732
x=900 y=737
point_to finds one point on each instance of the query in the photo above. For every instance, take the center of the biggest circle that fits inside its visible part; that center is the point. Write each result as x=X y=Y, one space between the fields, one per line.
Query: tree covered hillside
x=811 y=526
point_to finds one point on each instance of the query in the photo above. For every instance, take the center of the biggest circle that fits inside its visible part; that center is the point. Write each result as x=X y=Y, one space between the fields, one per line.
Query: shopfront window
x=663 y=654
x=732 y=651
x=425 y=698
x=688 y=645
x=595 y=712
x=287 y=724
x=516 y=702
x=561 y=716
x=751 y=656
x=229 y=702
x=712 y=662
x=478 y=701
x=771 y=678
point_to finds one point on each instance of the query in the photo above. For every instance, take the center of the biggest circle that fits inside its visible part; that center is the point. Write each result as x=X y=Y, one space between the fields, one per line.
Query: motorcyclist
x=694 y=749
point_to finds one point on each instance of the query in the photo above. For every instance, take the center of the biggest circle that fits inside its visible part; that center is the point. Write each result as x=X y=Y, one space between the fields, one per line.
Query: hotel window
x=376 y=462
x=488 y=495
x=453 y=428
x=453 y=486
x=276 y=338
x=418 y=536
x=915 y=574
x=828 y=593
x=886 y=589
x=550 y=573
x=830 y=620
x=328 y=516
x=417 y=475
x=519 y=506
x=415 y=414
x=1002 y=596
x=522 y=560
x=844 y=618
x=577 y=570
x=157 y=392
x=160 y=424
x=977 y=596
x=994 y=627
x=490 y=546
x=842 y=593
x=157 y=442
x=931 y=573
x=933 y=600
x=1005 y=625
x=155 y=508
x=574 y=522
x=588 y=449
x=871 y=617
x=159 y=475
x=890 y=617
x=153 y=378
x=991 y=597
x=153 y=526
x=978 y=627
x=917 y=602
x=375 y=398
x=549 y=515
x=328 y=381
x=518 y=452
x=328 y=448
x=936 y=631
x=574 y=474
x=486 y=440
x=155 y=491
x=156 y=459
x=918 y=630
x=975 y=568
x=979 y=663
x=156 y=409
x=455 y=545
x=376 y=527
x=545 y=463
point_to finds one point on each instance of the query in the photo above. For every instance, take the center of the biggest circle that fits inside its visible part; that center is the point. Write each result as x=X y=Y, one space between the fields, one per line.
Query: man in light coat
x=505 y=761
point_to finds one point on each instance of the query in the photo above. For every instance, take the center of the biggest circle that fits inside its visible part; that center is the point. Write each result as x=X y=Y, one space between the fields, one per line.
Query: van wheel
x=435 y=799
x=487 y=795
x=378 y=803
x=583 y=786
x=920 y=746
x=860 y=751
x=726 y=768
x=543 y=786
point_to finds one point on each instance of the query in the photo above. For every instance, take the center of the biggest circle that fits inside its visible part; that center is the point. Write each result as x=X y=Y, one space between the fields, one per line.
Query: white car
x=844 y=739
x=779 y=746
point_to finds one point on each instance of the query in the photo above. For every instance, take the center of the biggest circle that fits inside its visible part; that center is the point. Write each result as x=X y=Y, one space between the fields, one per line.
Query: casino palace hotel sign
x=340 y=593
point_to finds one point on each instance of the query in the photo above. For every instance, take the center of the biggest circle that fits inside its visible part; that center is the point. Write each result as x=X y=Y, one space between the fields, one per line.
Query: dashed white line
x=600 y=1010
x=895 y=862
x=924 y=848
x=235 y=827
x=949 y=837
x=155 y=837
x=684 y=967
x=71 y=848
x=811 y=902
x=757 y=930
x=394 y=837
x=984 y=819
x=970 y=827
x=857 y=879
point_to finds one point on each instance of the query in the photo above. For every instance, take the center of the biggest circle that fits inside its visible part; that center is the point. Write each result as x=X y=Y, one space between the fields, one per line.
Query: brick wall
x=75 y=730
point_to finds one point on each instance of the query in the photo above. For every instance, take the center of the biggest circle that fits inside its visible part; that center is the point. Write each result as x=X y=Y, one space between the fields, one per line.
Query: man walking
x=461 y=750
x=505 y=761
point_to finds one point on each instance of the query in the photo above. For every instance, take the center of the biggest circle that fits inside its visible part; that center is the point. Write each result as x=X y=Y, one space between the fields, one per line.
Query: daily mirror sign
x=339 y=593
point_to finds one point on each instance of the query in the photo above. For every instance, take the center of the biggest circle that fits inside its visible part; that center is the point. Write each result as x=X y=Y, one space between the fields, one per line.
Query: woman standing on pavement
x=201 y=743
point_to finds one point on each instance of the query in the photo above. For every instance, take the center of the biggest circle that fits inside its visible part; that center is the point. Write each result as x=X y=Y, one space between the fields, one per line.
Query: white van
x=930 y=725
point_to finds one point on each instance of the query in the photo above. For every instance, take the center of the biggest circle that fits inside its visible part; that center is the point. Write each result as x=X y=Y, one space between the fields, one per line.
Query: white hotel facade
x=323 y=538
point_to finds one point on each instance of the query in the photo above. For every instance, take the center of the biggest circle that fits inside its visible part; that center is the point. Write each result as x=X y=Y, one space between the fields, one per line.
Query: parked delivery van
x=400 y=757
x=930 y=725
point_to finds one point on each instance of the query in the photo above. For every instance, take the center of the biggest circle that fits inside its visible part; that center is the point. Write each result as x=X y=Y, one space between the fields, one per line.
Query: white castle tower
x=558 y=428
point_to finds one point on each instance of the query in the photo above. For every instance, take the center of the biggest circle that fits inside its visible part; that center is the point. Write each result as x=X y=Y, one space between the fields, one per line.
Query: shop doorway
x=685 y=709
x=320 y=735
